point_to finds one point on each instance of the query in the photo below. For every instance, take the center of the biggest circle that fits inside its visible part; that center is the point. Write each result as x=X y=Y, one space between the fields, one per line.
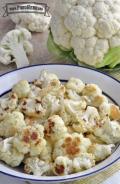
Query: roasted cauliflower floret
x=34 y=91
x=75 y=84
x=62 y=166
x=46 y=78
x=94 y=139
x=104 y=109
x=93 y=95
x=55 y=128
x=22 y=89
x=32 y=107
x=31 y=121
x=52 y=104
x=73 y=95
x=30 y=140
x=91 y=90
x=71 y=110
x=46 y=154
x=109 y=132
x=84 y=161
x=91 y=115
x=101 y=151
x=51 y=85
x=114 y=112
x=87 y=120
x=12 y=123
x=111 y=110
x=72 y=145
x=9 y=154
x=36 y=166
x=8 y=104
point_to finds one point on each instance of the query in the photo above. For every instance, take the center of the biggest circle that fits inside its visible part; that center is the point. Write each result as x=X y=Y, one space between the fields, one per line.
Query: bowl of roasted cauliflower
x=58 y=123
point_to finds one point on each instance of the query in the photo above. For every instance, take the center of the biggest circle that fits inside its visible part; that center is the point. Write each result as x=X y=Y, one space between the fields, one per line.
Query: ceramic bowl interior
x=110 y=87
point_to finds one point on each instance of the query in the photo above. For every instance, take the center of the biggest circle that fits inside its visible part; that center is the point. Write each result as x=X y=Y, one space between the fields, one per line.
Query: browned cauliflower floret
x=30 y=140
x=71 y=110
x=72 y=145
x=109 y=131
x=62 y=166
x=94 y=139
x=8 y=154
x=55 y=128
x=84 y=161
x=52 y=104
x=111 y=110
x=34 y=91
x=32 y=107
x=75 y=85
x=104 y=110
x=73 y=95
x=36 y=166
x=8 y=104
x=46 y=78
x=114 y=112
x=46 y=153
x=12 y=123
x=101 y=151
x=51 y=85
x=87 y=121
x=93 y=95
x=91 y=90
x=31 y=121
x=22 y=89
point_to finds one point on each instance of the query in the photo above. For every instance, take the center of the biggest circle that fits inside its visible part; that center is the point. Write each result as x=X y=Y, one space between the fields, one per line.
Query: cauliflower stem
x=19 y=54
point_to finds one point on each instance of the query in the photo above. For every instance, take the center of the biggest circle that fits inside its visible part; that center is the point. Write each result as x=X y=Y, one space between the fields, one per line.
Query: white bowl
x=110 y=87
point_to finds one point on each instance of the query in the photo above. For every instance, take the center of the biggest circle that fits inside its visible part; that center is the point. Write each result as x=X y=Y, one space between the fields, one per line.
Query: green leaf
x=111 y=59
x=55 y=49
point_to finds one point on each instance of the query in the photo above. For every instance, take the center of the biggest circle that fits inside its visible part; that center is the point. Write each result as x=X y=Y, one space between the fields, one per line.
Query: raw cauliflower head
x=101 y=151
x=89 y=27
x=55 y=128
x=30 y=140
x=33 y=165
x=32 y=21
x=62 y=166
x=22 y=89
x=72 y=145
x=12 y=123
x=9 y=154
